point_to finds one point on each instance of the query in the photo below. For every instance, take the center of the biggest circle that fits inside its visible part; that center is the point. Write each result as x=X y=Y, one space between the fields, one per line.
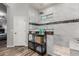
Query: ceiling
x=40 y=6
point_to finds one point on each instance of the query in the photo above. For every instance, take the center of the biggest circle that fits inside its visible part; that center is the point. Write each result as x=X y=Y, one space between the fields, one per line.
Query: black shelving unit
x=40 y=48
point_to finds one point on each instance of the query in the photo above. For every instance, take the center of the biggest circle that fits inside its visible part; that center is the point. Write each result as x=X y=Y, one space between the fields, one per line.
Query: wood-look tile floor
x=15 y=51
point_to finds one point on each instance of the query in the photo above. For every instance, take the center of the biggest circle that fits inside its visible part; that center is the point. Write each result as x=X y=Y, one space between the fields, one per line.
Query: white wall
x=18 y=10
x=33 y=18
x=64 y=34
x=63 y=11
x=21 y=11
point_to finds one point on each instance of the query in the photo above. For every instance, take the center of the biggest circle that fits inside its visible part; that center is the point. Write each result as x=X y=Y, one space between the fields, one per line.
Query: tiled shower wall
x=66 y=35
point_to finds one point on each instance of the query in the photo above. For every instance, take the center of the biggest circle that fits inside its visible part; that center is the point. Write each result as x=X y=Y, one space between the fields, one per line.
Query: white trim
x=10 y=46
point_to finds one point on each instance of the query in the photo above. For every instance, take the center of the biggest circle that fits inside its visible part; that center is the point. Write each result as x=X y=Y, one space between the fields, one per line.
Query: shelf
x=37 y=44
x=31 y=45
x=56 y=22
x=48 y=14
x=41 y=49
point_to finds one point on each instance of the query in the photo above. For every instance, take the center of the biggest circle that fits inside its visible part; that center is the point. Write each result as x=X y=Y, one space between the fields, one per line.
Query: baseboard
x=16 y=45
x=10 y=46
